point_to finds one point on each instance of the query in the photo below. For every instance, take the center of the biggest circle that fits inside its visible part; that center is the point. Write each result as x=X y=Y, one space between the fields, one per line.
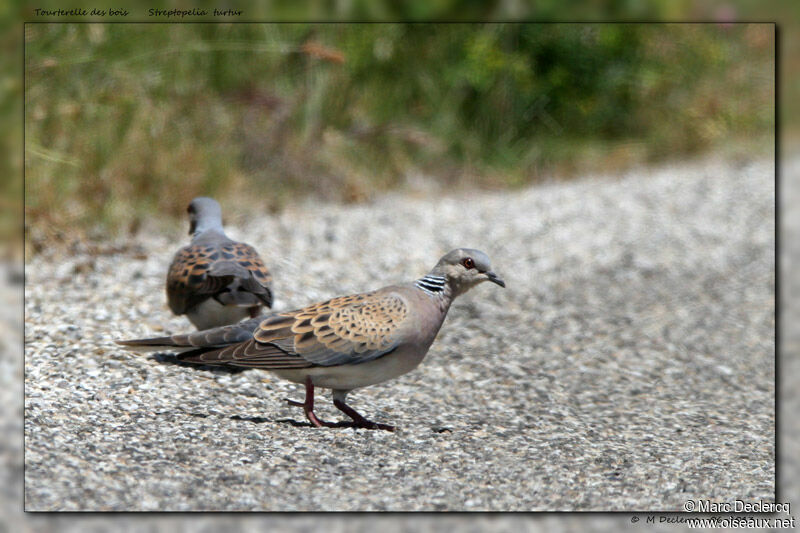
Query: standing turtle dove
x=214 y=280
x=344 y=343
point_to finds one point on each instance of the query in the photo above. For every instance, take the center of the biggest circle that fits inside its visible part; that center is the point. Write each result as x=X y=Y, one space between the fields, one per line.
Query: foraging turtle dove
x=214 y=280
x=344 y=343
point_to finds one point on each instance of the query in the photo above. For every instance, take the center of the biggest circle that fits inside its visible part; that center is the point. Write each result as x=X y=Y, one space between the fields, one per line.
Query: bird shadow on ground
x=262 y=420
x=333 y=425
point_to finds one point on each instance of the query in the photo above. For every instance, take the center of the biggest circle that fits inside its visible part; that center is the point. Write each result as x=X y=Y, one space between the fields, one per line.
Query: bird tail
x=154 y=344
x=205 y=339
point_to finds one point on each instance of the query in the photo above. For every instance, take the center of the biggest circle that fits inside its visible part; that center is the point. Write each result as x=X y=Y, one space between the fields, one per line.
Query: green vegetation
x=126 y=120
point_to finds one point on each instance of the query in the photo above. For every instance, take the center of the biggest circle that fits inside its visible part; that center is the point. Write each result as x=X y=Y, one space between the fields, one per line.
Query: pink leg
x=308 y=406
x=359 y=420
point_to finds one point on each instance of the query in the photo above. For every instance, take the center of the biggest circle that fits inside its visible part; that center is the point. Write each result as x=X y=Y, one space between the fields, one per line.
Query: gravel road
x=629 y=365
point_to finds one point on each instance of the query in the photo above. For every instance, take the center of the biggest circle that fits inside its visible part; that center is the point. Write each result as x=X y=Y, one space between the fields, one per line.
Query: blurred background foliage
x=124 y=121
x=127 y=121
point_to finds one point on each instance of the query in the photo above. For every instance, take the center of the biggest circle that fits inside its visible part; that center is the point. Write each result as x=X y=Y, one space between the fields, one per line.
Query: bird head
x=204 y=213
x=464 y=268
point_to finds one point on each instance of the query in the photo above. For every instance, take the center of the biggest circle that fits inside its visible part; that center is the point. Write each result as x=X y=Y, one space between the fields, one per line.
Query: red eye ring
x=468 y=263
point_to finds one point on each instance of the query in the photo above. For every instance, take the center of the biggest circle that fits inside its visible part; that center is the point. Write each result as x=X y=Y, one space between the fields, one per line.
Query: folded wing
x=346 y=330
x=231 y=273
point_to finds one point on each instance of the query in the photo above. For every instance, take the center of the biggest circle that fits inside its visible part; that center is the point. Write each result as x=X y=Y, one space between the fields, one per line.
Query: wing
x=254 y=281
x=345 y=330
x=231 y=273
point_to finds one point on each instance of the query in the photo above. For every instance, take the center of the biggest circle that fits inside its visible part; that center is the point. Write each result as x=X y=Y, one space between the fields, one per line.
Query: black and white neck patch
x=431 y=284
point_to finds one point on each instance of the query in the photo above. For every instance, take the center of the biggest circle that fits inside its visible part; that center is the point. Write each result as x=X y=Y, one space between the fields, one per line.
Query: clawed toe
x=375 y=425
x=358 y=420
x=294 y=403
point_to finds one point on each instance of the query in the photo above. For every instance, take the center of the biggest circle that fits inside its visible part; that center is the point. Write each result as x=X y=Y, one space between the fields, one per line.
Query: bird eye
x=468 y=263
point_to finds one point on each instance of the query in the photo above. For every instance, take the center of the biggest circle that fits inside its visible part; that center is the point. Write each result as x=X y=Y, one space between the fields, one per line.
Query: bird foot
x=358 y=420
x=313 y=418
x=317 y=421
x=368 y=424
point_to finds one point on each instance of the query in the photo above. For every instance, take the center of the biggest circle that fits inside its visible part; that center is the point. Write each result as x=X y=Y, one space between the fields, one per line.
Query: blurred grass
x=10 y=136
x=124 y=121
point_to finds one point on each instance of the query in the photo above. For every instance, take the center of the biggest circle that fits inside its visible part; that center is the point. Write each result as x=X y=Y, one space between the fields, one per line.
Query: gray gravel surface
x=629 y=365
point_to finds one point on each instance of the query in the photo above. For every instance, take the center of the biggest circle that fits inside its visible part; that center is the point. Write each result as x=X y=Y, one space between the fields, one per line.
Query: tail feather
x=154 y=341
x=205 y=340
x=195 y=355
x=156 y=344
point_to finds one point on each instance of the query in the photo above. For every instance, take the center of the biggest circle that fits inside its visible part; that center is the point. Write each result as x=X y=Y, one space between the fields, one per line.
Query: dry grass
x=129 y=122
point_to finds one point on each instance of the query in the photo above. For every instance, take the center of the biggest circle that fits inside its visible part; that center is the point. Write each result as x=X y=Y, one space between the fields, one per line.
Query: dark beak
x=494 y=278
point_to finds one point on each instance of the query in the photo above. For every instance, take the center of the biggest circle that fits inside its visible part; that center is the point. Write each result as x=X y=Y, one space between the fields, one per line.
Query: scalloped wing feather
x=201 y=271
x=345 y=330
